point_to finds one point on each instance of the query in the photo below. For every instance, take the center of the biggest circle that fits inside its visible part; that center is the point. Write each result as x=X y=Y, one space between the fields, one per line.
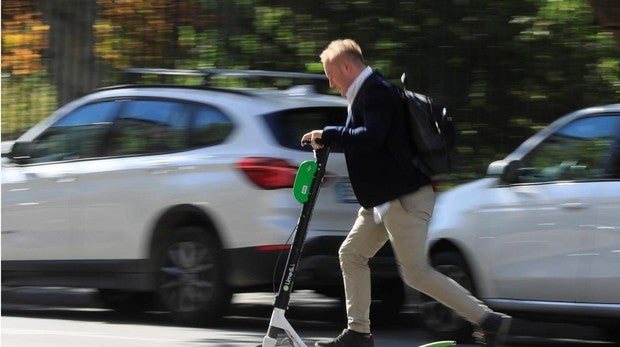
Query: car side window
x=581 y=150
x=150 y=126
x=209 y=127
x=77 y=135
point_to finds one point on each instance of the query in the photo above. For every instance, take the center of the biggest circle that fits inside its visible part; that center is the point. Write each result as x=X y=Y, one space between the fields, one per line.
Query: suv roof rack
x=208 y=73
x=201 y=87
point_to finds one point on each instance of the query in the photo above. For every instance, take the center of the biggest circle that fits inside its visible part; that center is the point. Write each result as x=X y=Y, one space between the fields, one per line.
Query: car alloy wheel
x=190 y=278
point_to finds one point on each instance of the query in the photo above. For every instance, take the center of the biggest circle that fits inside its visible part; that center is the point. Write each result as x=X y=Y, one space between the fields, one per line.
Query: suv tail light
x=268 y=173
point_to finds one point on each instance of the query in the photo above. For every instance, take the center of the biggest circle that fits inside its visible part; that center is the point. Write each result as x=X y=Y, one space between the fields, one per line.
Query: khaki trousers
x=405 y=224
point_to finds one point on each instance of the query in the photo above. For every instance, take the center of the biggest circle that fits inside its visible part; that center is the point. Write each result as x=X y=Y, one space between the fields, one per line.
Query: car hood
x=450 y=205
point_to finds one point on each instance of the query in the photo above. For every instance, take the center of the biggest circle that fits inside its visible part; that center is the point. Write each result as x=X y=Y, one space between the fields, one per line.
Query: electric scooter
x=305 y=190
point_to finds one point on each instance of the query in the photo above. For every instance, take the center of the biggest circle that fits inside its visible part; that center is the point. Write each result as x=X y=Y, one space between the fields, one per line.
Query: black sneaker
x=349 y=338
x=493 y=330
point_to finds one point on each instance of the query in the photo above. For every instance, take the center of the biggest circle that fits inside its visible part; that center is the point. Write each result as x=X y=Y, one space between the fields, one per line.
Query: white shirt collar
x=357 y=84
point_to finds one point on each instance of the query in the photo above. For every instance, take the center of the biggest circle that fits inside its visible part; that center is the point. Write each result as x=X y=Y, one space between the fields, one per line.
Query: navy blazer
x=371 y=138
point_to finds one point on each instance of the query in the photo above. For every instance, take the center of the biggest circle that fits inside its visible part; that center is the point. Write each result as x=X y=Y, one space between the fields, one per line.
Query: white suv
x=180 y=191
x=540 y=236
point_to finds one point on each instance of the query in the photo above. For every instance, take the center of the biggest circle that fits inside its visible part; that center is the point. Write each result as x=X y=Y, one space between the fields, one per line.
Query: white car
x=180 y=191
x=540 y=235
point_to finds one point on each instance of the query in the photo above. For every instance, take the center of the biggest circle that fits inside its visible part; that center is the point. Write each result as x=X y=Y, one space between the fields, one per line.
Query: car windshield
x=594 y=127
x=580 y=150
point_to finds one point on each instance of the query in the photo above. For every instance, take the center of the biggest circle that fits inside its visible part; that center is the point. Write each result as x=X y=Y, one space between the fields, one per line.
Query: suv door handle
x=574 y=206
x=66 y=178
x=161 y=167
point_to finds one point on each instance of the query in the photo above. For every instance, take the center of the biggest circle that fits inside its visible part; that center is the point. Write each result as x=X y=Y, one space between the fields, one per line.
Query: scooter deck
x=440 y=344
x=446 y=343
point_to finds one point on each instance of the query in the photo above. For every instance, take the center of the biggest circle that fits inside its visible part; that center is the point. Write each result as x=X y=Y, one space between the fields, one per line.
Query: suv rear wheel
x=190 y=281
x=442 y=320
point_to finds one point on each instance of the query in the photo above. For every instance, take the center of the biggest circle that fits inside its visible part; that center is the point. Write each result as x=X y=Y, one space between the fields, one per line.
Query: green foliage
x=505 y=68
x=25 y=101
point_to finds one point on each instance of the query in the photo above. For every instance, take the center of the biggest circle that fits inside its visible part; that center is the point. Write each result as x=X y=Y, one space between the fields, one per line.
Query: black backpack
x=431 y=132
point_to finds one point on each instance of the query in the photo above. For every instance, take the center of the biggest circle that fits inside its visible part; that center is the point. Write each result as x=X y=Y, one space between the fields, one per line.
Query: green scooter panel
x=303 y=180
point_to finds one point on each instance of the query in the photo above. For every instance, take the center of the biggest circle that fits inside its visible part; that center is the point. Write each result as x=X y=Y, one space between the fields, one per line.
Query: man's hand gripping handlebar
x=314 y=139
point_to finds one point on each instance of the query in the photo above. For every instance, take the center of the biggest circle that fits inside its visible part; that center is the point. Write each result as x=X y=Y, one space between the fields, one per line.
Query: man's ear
x=347 y=65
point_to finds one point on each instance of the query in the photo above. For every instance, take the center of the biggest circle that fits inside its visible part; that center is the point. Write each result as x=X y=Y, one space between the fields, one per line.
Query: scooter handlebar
x=318 y=141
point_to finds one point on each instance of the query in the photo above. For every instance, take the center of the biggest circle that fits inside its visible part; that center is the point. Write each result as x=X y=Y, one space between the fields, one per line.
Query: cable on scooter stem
x=278 y=322
x=286 y=285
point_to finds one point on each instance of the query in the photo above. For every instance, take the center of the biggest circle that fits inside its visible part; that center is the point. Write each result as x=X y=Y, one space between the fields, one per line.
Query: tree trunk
x=607 y=14
x=72 y=62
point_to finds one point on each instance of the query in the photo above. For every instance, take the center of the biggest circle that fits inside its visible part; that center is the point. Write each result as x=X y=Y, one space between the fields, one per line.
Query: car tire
x=190 y=278
x=441 y=320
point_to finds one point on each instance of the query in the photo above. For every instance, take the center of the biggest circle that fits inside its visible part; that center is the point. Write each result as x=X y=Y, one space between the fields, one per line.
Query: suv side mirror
x=507 y=171
x=7 y=146
x=20 y=152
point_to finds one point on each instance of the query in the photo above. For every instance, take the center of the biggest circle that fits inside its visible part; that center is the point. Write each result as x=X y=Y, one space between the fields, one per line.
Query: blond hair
x=342 y=48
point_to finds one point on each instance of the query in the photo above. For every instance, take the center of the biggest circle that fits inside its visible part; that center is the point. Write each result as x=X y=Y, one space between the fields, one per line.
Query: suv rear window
x=289 y=126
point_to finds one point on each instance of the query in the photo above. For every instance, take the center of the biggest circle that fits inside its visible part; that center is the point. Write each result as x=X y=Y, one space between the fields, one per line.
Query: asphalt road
x=59 y=317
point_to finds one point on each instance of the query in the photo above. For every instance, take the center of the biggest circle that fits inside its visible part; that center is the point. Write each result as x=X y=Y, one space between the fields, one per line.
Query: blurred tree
x=572 y=61
x=71 y=56
x=149 y=33
x=505 y=68
x=24 y=37
x=607 y=13
x=26 y=95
